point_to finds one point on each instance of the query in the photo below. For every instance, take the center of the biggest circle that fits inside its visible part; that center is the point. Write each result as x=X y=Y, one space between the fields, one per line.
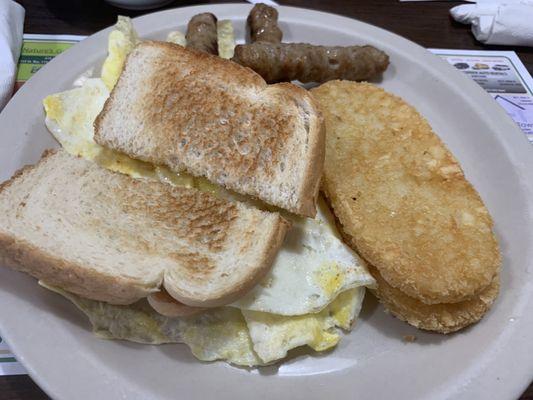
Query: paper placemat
x=37 y=50
x=502 y=74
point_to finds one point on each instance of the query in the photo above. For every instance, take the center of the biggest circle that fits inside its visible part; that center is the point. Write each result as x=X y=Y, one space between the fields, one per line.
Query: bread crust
x=19 y=172
x=310 y=185
x=315 y=167
x=168 y=306
x=22 y=256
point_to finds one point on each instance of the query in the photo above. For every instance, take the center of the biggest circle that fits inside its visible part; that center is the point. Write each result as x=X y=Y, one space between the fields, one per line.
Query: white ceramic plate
x=491 y=360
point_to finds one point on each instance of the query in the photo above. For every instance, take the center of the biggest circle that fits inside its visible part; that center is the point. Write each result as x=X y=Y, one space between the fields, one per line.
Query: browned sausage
x=277 y=62
x=263 y=23
x=202 y=33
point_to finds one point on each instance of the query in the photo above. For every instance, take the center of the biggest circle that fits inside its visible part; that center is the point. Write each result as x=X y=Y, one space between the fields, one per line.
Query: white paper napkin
x=508 y=22
x=11 y=24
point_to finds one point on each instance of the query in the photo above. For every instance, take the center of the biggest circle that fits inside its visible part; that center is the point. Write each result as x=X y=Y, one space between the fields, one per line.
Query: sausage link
x=263 y=23
x=202 y=33
x=277 y=62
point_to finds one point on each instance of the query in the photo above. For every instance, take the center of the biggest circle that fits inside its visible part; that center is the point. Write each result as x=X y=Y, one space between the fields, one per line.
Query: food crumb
x=266 y=283
x=409 y=338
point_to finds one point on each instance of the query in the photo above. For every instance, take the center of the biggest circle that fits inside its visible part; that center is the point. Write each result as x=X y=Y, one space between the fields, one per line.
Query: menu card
x=503 y=76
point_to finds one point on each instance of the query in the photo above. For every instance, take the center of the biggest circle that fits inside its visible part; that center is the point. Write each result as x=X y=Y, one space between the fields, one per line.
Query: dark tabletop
x=434 y=29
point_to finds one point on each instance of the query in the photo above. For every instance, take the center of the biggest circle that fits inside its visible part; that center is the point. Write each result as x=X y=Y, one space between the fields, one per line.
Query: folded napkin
x=11 y=24
x=508 y=22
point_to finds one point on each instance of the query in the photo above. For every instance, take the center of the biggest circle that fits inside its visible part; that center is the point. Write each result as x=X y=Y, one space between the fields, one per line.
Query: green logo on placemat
x=35 y=54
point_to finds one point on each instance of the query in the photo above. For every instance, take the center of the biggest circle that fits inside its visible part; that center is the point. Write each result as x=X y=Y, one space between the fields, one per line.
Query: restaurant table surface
x=426 y=23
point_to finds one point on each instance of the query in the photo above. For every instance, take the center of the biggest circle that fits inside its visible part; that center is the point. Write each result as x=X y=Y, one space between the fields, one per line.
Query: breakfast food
x=312 y=292
x=402 y=199
x=312 y=267
x=444 y=317
x=398 y=174
x=304 y=62
x=222 y=121
x=121 y=41
x=109 y=244
x=263 y=24
x=306 y=288
x=224 y=333
x=277 y=62
x=226 y=39
x=202 y=33
x=166 y=305
x=175 y=37
x=218 y=334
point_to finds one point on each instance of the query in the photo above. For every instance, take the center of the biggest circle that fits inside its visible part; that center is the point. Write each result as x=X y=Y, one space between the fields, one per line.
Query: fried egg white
x=223 y=333
x=70 y=116
x=218 y=334
x=311 y=269
x=121 y=42
x=274 y=335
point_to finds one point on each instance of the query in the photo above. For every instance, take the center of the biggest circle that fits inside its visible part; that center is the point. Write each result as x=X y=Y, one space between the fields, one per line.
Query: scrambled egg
x=315 y=284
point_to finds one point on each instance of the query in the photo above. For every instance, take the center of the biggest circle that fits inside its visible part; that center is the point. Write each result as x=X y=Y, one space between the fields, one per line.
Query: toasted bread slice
x=192 y=111
x=109 y=237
